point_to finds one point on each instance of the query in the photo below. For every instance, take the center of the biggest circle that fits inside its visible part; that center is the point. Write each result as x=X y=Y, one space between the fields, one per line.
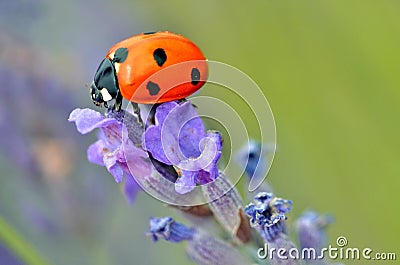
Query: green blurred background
x=330 y=70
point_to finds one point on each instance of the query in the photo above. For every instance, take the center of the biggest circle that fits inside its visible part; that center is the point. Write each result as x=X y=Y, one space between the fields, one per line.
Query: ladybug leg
x=118 y=102
x=152 y=113
x=136 y=110
x=182 y=100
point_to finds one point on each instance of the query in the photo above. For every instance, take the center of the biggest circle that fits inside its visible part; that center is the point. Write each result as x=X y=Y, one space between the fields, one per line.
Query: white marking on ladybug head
x=105 y=94
x=116 y=67
x=111 y=55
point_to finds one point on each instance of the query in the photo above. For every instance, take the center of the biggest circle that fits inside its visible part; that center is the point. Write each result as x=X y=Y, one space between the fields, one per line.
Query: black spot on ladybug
x=195 y=76
x=149 y=33
x=120 y=55
x=153 y=88
x=159 y=56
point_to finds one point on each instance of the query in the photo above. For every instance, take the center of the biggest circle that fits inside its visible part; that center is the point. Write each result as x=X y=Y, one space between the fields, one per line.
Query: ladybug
x=149 y=68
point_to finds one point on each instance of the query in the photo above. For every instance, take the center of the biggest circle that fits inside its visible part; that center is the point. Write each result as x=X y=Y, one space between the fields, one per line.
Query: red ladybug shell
x=159 y=67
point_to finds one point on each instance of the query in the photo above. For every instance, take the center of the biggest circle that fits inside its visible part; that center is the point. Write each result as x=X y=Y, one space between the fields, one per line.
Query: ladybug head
x=104 y=86
x=96 y=96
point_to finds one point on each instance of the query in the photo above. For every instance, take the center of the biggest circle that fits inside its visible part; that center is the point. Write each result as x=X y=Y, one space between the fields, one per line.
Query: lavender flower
x=255 y=159
x=170 y=230
x=311 y=234
x=178 y=145
x=203 y=248
x=8 y=257
x=310 y=228
x=27 y=122
x=267 y=215
x=180 y=133
x=119 y=149
x=111 y=149
x=249 y=157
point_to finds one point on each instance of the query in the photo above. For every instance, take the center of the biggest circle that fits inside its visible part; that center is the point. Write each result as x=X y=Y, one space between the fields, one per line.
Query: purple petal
x=211 y=152
x=212 y=172
x=204 y=177
x=110 y=161
x=183 y=129
x=116 y=172
x=212 y=168
x=111 y=132
x=186 y=183
x=96 y=152
x=163 y=110
x=178 y=132
x=152 y=142
x=86 y=120
x=131 y=188
x=136 y=160
x=74 y=114
x=191 y=133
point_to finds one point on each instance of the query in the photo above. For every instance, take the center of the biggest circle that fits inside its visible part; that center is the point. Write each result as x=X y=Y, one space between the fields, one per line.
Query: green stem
x=11 y=239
